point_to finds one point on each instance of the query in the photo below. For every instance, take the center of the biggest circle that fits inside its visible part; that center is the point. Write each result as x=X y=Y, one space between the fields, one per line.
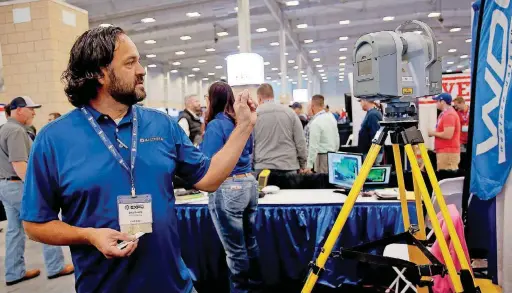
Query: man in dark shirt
x=369 y=127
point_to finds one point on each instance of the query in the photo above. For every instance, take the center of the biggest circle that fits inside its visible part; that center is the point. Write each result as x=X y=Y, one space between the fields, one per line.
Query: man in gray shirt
x=15 y=145
x=279 y=141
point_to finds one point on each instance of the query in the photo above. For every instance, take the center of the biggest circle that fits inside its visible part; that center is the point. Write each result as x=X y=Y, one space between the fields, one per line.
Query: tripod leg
x=401 y=186
x=342 y=218
x=444 y=209
x=421 y=235
x=415 y=254
x=452 y=272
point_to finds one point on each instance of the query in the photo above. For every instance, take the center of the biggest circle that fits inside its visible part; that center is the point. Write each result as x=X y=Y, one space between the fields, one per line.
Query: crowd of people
x=123 y=154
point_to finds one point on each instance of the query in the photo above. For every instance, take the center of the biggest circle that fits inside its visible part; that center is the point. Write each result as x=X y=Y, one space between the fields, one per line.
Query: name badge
x=465 y=128
x=135 y=214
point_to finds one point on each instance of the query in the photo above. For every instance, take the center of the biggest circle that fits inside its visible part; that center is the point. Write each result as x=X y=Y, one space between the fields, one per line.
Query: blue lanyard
x=112 y=149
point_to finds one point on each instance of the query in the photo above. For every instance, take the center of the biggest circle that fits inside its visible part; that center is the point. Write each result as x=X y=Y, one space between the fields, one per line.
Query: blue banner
x=492 y=139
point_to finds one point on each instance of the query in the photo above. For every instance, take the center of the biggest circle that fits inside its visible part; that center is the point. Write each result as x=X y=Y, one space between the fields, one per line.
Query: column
x=200 y=90
x=167 y=84
x=310 y=82
x=244 y=26
x=284 y=65
x=299 y=75
x=184 y=89
x=35 y=39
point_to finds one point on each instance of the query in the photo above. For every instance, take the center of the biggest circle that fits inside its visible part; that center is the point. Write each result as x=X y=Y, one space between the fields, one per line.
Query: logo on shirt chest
x=151 y=139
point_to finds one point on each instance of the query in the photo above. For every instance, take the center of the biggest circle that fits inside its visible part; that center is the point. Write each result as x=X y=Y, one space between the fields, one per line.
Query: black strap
x=16 y=178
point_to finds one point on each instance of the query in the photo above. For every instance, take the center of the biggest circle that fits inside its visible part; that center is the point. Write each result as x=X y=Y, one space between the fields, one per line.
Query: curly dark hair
x=92 y=51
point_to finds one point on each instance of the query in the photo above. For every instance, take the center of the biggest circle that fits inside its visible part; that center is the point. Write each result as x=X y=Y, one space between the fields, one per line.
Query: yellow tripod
x=406 y=137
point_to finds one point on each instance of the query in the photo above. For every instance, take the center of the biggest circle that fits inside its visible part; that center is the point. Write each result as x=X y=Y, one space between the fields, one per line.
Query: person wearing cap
x=447 y=134
x=109 y=165
x=297 y=108
x=15 y=145
x=369 y=127
x=279 y=140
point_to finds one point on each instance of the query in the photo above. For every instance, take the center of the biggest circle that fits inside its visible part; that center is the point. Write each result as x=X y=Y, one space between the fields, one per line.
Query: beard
x=124 y=92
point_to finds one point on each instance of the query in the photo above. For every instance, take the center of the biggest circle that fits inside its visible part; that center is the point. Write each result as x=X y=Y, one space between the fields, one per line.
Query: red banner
x=455 y=84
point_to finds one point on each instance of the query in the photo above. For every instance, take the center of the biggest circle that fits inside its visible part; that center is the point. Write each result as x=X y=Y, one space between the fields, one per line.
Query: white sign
x=300 y=95
x=245 y=69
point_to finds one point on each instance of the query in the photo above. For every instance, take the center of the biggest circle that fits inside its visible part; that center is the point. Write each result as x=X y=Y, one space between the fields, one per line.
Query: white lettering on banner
x=458 y=85
x=504 y=72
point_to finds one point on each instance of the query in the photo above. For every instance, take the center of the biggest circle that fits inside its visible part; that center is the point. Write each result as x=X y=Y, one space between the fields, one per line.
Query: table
x=291 y=229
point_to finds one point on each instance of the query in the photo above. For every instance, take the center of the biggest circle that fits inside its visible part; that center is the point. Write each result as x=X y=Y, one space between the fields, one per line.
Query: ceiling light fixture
x=191 y=75
x=455 y=29
x=452 y=50
x=223 y=77
x=176 y=63
x=180 y=53
x=302 y=25
x=434 y=14
x=388 y=18
x=418 y=32
x=343 y=22
x=222 y=34
x=218 y=67
x=313 y=52
x=316 y=59
x=304 y=75
x=150 y=56
x=295 y=67
x=439 y=42
x=468 y=40
x=269 y=78
x=292 y=3
x=150 y=42
x=211 y=73
x=105 y=25
x=343 y=57
x=174 y=71
x=266 y=63
x=464 y=56
x=291 y=61
x=201 y=61
x=319 y=65
x=273 y=44
x=195 y=69
x=286 y=54
x=343 y=49
x=152 y=65
x=274 y=68
x=193 y=14
x=343 y=38
x=308 y=41
x=261 y=30
x=236 y=9
x=185 y=38
x=210 y=49
x=460 y=66
x=449 y=70
x=322 y=75
x=325 y=80
x=321 y=70
x=205 y=78
x=450 y=62
x=147 y=20
x=342 y=64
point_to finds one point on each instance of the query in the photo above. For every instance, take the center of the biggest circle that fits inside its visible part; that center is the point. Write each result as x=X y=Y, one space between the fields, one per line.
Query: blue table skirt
x=289 y=237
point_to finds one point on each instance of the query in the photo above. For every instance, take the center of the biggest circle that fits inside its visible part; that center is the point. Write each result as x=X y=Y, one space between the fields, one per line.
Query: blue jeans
x=233 y=211
x=10 y=195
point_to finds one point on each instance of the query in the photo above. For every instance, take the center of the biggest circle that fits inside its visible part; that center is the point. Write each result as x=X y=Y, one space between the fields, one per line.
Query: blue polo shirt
x=71 y=169
x=217 y=134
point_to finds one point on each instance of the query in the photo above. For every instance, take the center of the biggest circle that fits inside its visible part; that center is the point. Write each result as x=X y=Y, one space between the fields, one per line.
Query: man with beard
x=190 y=119
x=109 y=165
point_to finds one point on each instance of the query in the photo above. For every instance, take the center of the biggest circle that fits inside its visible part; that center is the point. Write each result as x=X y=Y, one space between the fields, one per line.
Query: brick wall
x=35 y=53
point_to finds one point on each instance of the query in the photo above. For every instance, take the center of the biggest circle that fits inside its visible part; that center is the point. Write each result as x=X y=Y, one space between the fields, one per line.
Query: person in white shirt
x=321 y=136
x=190 y=119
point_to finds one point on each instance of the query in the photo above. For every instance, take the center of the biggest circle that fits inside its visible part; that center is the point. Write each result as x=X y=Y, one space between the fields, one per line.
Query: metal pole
x=282 y=46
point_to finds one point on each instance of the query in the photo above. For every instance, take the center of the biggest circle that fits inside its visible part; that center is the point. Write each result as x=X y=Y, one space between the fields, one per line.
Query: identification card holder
x=135 y=214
